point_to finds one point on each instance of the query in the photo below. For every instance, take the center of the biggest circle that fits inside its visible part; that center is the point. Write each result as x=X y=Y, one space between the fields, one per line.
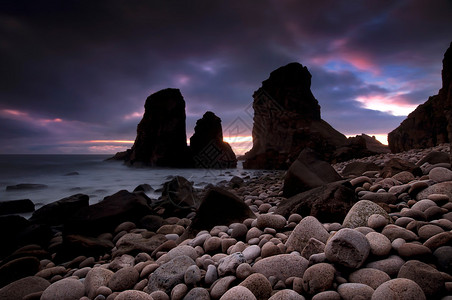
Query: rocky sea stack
x=430 y=123
x=287 y=120
x=162 y=141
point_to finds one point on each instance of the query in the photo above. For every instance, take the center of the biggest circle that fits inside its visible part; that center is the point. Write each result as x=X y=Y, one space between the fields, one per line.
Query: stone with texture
x=318 y=278
x=281 y=266
x=197 y=294
x=274 y=221
x=308 y=228
x=308 y=171
x=259 y=285
x=229 y=264
x=124 y=279
x=390 y=265
x=286 y=295
x=400 y=289
x=67 y=288
x=350 y=291
x=360 y=213
x=428 y=278
x=372 y=277
x=348 y=248
x=380 y=245
x=22 y=287
x=328 y=203
x=133 y=295
x=440 y=174
x=238 y=292
x=95 y=278
x=219 y=207
x=170 y=274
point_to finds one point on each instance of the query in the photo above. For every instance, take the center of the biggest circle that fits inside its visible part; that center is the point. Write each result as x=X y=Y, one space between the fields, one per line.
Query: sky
x=75 y=75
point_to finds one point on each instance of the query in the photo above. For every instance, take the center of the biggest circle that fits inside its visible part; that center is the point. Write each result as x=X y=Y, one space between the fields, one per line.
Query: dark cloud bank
x=73 y=71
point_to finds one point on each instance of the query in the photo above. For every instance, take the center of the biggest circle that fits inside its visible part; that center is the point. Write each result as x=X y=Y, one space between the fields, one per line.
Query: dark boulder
x=17 y=269
x=328 y=203
x=178 y=198
x=58 y=212
x=207 y=146
x=308 y=172
x=397 y=165
x=107 y=214
x=23 y=287
x=219 y=207
x=433 y=158
x=75 y=245
x=16 y=206
x=10 y=227
x=358 y=168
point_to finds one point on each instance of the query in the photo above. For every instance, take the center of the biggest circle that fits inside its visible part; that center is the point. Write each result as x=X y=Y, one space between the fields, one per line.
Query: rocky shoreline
x=394 y=243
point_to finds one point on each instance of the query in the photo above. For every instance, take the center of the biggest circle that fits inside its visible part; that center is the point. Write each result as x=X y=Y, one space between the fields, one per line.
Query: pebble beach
x=400 y=248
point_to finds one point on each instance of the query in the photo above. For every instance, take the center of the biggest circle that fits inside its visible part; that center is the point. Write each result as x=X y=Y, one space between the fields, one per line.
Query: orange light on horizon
x=381 y=137
x=394 y=105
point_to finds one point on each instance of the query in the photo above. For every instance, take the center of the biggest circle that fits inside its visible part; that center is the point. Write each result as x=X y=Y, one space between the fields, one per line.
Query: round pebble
x=400 y=289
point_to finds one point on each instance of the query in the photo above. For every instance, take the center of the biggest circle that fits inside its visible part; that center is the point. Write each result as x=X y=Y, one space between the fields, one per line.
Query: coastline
x=280 y=257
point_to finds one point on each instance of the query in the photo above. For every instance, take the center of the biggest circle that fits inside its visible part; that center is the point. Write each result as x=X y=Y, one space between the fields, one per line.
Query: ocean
x=66 y=175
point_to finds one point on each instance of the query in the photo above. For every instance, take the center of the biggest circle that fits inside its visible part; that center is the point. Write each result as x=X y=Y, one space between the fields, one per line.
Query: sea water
x=66 y=175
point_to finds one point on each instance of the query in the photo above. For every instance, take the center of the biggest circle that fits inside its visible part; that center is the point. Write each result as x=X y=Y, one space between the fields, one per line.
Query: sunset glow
x=389 y=104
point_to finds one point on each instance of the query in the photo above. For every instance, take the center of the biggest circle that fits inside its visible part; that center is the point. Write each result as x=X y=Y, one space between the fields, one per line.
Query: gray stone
x=390 y=265
x=309 y=227
x=428 y=278
x=350 y=291
x=318 y=278
x=360 y=213
x=95 y=278
x=238 y=292
x=348 y=247
x=22 y=287
x=259 y=285
x=124 y=279
x=169 y=274
x=372 y=277
x=286 y=295
x=228 y=264
x=197 y=294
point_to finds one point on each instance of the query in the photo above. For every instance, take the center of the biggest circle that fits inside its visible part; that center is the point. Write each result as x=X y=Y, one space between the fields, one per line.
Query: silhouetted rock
x=178 y=198
x=107 y=214
x=26 y=186
x=287 y=120
x=308 y=172
x=161 y=139
x=219 y=207
x=207 y=145
x=328 y=203
x=430 y=123
x=16 y=206
x=58 y=212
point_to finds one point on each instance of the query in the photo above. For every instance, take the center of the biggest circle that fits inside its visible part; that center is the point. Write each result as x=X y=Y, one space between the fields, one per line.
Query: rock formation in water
x=207 y=146
x=430 y=123
x=161 y=139
x=287 y=120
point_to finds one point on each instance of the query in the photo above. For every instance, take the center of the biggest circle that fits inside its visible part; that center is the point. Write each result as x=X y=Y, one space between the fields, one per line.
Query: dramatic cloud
x=75 y=74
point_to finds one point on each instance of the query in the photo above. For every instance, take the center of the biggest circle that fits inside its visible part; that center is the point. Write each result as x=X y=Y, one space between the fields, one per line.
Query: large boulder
x=430 y=123
x=207 y=145
x=16 y=206
x=161 y=138
x=328 y=203
x=219 y=207
x=308 y=172
x=107 y=214
x=58 y=212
